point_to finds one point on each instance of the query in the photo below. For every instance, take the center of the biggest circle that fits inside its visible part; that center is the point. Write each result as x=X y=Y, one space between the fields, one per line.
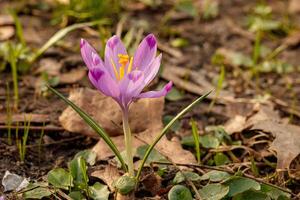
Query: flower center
x=123 y=61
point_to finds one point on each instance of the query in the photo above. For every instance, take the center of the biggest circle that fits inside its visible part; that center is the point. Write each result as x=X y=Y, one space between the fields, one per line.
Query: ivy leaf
x=209 y=141
x=99 y=191
x=221 y=159
x=215 y=176
x=180 y=192
x=213 y=192
x=251 y=195
x=274 y=193
x=240 y=184
x=88 y=155
x=78 y=170
x=60 y=178
x=37 y=193
x=182 y=176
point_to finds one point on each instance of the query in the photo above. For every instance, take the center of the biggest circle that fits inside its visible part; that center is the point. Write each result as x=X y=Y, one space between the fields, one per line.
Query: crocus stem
x=128 y=142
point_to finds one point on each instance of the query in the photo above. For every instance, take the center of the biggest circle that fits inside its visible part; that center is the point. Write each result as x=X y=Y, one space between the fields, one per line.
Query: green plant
x=22 y=144
x=195 y=134
x=82 y=11
x=8 y=114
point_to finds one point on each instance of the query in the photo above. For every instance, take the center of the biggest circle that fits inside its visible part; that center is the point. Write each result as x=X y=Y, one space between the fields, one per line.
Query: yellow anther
x=123 y=59
x=115 y=69
x=130 y=65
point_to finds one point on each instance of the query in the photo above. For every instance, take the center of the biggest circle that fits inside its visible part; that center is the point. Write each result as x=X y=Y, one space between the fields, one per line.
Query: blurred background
x=246 y=51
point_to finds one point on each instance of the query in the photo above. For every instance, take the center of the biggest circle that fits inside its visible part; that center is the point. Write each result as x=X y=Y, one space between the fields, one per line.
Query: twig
x=229 y=171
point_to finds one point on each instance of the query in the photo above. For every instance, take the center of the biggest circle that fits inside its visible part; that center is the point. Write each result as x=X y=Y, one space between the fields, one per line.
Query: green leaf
x=99 y=191
x=125 y=184
x=177 y=43
x=88 y=155
x=195 y=133
x=213 y=191
x=166 y=128
x=215 y=176
x=240 y=184
x=78 y=170
x=174 y=95
x=60 y=178
x=180 y=192
x=188 y=7
x=175 y=127
x=37 y=193
x=221 y=159
x=76 y=195
x=188 y=141
x=62 y=33
x=91 y=122
x=274 y=193
x=182 y=176
x=154 y=156
x=209 y=141
x=251 y=195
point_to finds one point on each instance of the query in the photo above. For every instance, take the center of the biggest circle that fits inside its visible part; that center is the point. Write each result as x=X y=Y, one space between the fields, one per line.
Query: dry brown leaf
x=144 y=114
x=6 y=32
x=32 y=117
x=72 y=77
x=286 y=142
x=50 y=66
x=109 y=175
x=294 y=6
x=235 y=124
x=171 y=149
x=6 y=20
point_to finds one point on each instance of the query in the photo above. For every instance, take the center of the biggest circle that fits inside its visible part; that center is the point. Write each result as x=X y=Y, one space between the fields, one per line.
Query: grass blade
x=91 y=122
x=195 y=133
x=62 y=33
x=166 y=128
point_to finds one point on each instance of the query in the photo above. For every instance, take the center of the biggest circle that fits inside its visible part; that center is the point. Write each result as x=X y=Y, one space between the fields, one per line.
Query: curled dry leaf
x=266 y=119
x=109 y=175
x=6 y=32
x=144 y=114
x=170 y=149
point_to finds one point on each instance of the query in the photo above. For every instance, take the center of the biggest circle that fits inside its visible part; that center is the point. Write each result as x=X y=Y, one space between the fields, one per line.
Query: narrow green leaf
x=60 y=178
x=91 y=122
x=195 y=133
x=62 y=33
x=166 y=128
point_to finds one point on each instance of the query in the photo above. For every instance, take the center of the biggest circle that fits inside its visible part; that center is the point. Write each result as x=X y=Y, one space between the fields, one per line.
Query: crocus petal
x=131 y=86
x=152 y=70
x=102 y=80
x=154 y=94
x=89 y=55
x=114 y=47
x=145 y=53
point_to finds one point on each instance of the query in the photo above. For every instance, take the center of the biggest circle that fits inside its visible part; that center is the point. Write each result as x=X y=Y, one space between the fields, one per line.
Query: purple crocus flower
x=123 y=77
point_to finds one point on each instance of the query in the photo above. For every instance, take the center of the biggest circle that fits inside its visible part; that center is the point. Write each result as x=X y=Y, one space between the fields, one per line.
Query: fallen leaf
x=171 y=149
x=13 y=182
x=144 y=114
x=50 y=66
x=72 y=76
x=235 y=124
x=6 y=20
x=108 y=175
x=286 y=142
x=6 y=32
x=294 y=6
x=33 y=117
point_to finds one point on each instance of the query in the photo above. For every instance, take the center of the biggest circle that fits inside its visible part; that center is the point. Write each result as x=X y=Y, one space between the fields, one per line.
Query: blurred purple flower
x=123 y=77
x=2 y=198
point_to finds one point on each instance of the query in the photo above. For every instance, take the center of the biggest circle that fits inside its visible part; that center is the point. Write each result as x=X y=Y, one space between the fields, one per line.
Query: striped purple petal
x=155 y=94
